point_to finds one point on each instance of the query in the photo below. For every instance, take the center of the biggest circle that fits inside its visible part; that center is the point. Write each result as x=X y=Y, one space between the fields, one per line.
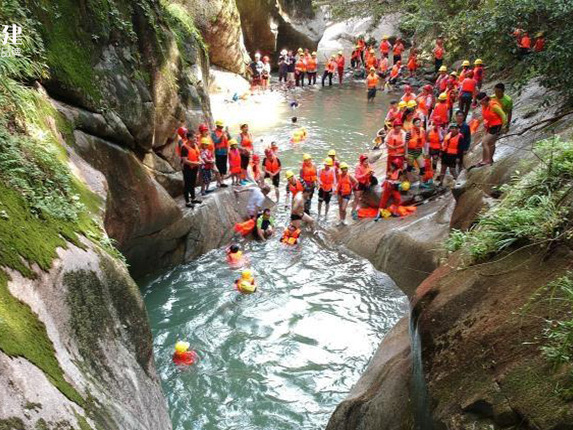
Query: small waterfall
x=420 y=401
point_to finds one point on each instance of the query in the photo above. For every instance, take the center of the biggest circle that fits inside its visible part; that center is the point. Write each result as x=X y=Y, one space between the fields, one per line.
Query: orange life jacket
x=438 y=52
x=235 y=257
x=372 y=81
x=385 y=47
x=417 y=138
x=395 y=71
x=272 y=166
x=331 y=66
x=234 y=158
x=440 y=113
x=383 y=65
x=491 y=118
x=434 y=139
x=525 y=42
x=421 y=100
x=412 y=63
x=327 y=179
x=247 y=141
x=220 y=139
x=296 y=188
x=244 y=228
x=478 y=73
x=451 y=143
x=463 y=73
x=362 y=174
x=309 y=173
x=407 y=97
x=186 y=358
x=371 y=62
x=394 y=139
x=300 y=66
x=311 y=65
x=192 y=153
x=344 y=186
x=290 y=237
x=398 y=48
x=469 y=85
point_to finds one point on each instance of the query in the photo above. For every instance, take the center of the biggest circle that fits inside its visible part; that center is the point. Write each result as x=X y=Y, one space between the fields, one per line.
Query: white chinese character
x=16 y=52
x=12 y=34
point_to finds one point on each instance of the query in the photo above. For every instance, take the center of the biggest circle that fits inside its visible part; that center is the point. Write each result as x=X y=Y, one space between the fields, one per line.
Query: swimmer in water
x=246 y=284
x=235 y=256
x=182 y=356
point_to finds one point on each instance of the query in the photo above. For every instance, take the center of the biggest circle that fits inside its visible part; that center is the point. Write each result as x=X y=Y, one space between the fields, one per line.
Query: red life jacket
x=478 y=73
x=440 y=114
x=300 y=66
x=434 y=139
x=398 y=48
x=340 y=62
x=451 y=143
x=469 y=85
x=344 y=186
x=234 y=159
x=247 y=141
x=272 y=166
x=186 y=358
x=385 y=47
x=396 y=140
x=331 y=66
x=327 y=179
x=395 y=71
x=438 y=52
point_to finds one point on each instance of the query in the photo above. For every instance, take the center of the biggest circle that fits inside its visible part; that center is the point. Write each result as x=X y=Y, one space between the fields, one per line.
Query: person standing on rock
x=385 y=47
x=505 y=101
x=291 y=60
x=466 y=141
x=495 y=120
x=329 y=69
x=340 y=61
x=450 y=149
x=397 y=50
x=344 y=186
x=272 y=170
x=283 y=66
x=366 y=180
x=439 y=53
x=190 y=162
x=311 y=69
x=220 y=139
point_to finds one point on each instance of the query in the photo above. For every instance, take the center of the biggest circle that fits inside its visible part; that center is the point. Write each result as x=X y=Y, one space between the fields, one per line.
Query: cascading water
x=421 y=405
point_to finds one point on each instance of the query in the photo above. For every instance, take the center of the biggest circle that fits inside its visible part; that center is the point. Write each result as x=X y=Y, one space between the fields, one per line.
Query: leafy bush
x=534 y=208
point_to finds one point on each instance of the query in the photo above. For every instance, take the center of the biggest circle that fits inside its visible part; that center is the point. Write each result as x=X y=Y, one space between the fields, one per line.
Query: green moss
x=82 y=422
x=12 y=423
x=41 y=424
x=31 y=406
x=183 y=25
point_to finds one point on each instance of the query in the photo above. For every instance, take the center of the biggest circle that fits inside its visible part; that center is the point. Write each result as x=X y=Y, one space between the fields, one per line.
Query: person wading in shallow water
x=298 y=215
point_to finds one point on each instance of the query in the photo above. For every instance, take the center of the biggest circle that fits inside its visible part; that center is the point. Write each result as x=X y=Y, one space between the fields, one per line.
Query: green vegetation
x=182 y=25
x=534 y=210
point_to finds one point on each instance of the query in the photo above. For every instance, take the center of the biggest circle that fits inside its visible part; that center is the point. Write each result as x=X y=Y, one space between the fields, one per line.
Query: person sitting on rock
x=265 y=225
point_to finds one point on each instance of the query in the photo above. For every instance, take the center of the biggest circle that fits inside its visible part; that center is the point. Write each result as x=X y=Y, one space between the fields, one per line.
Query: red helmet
x=256 y=158
x=407 y=88
x=363 y=157
x=428 y=87
x=203 y=127
x=398 y=122
x=182 y=132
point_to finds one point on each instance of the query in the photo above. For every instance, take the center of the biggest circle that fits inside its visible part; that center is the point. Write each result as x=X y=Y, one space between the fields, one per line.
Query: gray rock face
x=380 y=400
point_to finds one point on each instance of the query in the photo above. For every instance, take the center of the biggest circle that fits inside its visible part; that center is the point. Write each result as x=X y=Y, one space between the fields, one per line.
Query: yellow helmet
x=328 y=161
x=219 y=123
x=478 y=62
x=443 y=69
x=333 y=57
x=405 y=186
x=182 y=346
x=205 y=141
x=412 y=104
x=453 y=74
x=402 y=104
x=233 y=142
x=314 y=54
x=385 y=37
x=385 y=213
x=466 y=63
x=343 y=165
x=247 y=274
x=443 y=96
x=306 y=157
x=372 y=51
x=372 y=69
x=299 y=50
x=339 y=52
x=332 y=153
x=289 y=174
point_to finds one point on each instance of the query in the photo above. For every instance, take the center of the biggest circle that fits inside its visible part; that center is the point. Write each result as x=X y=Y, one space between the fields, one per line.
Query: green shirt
x=260 y=222
x=506 y=103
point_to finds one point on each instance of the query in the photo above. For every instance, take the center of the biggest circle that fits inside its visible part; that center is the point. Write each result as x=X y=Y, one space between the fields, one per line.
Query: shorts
x=206 y=175
x=345 y=196
x=324 y=196
x=414 y=154
x=495 y=130
x=265 y=224
x=295 y=217
x=450 y=160
x=371 y=93
x=221 y=163
x=276 y=179
x=290 y=76
x=363 y=187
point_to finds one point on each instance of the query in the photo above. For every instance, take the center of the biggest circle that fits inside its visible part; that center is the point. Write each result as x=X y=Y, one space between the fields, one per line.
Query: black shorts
x=295 y=217
x=324 y=196
x=449 y=160
x=495 y=130
x=221 y=163
x=276 y=179
x=265 y=224
x=435 y=152
x=371 y=93
x=363 y=187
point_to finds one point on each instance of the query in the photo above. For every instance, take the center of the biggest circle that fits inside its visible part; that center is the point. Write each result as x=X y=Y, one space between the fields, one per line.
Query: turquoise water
x=284 y=357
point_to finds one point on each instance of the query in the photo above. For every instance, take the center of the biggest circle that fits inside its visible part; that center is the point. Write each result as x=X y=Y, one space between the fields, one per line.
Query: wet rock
x=380 y=400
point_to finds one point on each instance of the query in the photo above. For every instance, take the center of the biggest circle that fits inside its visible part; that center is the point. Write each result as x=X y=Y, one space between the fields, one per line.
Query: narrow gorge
x=457 y=317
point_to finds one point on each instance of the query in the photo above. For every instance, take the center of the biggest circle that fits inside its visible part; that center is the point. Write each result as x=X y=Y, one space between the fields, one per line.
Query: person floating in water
x=291 y=235
x=246 y=284
x=235 y=256
x=182 y=356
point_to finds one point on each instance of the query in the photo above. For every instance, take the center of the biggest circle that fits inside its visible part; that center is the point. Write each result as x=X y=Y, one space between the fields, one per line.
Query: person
x=298 y=213
x=412 y=61
x=395 y=73
x=293 y=187
x=265 y=225
x=364 y=175
x=355 y=58
x=335 y=162
x=275 y=148
x=425 y=101
x=465 y=69
x=416 y=139
x=204 y=134
x=434 y=141
x=291 y=235
x=505 y=101
x=191 y=162
x=182 y=356
x=442 y=79
x=439 y=53
x=408 y=94
x=266 y=72
x=329 y=69
x=361 y=47
x=391 y=187
x=479 y=72
x=383 y=66
x=207 y=164
x=523 y=45
x=466 y=140
x=397 y=50
x=450 y=150
x=181 y=137
x=283 y=66
x=396 y=143
x=385 y=47
x=246 y=284
x=256 y=70
x=272 y=170
x=371 y=60
x=300 y=70
x=234 y=162
x=257 y=196
x=539 y=44
x=327 y=183
x=311 y=69
x=340 y=61
x=309 y=176
x=235 y=256
x=245 y=138
x=220 y=138
x=392 y=114
x=344 y=186
x=468 y=92
x=440 y=114
x=372 y=83
x=290 y=69
x=495 y=120
x=256 y=169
